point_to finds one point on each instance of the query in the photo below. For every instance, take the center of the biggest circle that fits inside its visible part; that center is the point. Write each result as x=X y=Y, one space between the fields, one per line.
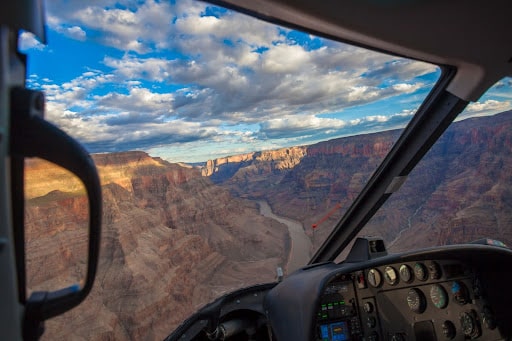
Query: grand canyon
x=177 y=236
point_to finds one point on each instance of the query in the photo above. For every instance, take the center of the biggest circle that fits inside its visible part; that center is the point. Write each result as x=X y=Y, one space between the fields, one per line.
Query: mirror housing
x=32 y=136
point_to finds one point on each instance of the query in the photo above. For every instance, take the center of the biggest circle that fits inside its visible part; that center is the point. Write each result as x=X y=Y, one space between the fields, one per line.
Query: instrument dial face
x=449 y=330
x=374 y=278
x=368 y=307
x=467 y=323
x=438 y=296
x=420 y=271
x=390 y=275
x=416 y=300
x=460 y=292
x=405 y=273
x=434 y=270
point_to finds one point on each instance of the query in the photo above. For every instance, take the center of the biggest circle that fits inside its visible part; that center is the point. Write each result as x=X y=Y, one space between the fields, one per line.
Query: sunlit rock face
x=461 y=191
x=268 y=161
x=171 y=242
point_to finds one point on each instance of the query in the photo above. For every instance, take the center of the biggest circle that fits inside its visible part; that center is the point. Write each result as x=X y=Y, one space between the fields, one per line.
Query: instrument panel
x=457 y=292
x=418 y=300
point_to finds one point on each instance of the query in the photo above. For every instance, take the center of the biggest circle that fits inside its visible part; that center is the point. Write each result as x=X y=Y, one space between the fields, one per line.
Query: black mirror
x=32 y=136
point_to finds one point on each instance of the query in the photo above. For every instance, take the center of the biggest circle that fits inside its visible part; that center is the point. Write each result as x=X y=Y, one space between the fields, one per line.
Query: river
x=300 y=244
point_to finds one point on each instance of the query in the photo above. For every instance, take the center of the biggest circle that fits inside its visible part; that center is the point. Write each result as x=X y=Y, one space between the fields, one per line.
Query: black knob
x=368 y=307
x=449 y=330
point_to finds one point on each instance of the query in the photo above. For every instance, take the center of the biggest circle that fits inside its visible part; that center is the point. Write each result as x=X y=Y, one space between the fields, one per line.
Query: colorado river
x=300 y=244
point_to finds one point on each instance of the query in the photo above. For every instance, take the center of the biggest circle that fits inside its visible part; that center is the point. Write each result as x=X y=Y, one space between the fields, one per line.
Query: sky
x=189 y=82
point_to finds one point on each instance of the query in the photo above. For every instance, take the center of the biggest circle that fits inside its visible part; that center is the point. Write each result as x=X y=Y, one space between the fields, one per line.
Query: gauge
x=434 y=270
x=469 y=325
x=420 y=271
x=460 y=292
x=405 y=273
x=449 y=330
x=438 y=296
x=416 y=300
x=374 y=277
x=368 y=307
x=488 y=318
x=390 y=275
x=371 y=322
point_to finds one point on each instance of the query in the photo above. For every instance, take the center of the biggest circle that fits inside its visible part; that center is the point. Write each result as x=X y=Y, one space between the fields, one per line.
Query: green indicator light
x=324 y=316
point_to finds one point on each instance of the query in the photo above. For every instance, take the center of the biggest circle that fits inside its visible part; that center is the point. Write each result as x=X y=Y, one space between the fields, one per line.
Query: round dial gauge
x=460 y=292
x=416 y=300
x=390 y=275
x=438 y=296
x=420 y=271
x=374 y=277
x=434 y=270
x=449 y=330
x=405 y=273
x=467 y=323
x=368 y=307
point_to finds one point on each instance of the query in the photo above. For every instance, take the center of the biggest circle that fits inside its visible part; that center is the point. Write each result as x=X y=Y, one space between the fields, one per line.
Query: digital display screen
x=337 y=331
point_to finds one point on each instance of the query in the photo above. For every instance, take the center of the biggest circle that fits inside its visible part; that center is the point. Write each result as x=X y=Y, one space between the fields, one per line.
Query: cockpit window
x=227 y=149
x=460 y=191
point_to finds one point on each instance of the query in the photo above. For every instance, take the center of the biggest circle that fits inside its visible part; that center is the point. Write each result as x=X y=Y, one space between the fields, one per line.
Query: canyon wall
x=460 y=192
x=172 y=241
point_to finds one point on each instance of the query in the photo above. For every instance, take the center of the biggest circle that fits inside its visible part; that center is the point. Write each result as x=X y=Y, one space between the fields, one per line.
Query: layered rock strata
x=172 y=241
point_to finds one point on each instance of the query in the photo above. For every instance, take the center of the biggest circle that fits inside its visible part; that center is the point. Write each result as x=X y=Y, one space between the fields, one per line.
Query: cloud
x=124 y=25
x=194 y=26
x=234 y=92
x=27 y=41
x=309 y=128
x=291 y=125
x=184 y=71
x=74 y=32
x=488 y=107
x=132 y=68
x=399 y=69
x=139 y=106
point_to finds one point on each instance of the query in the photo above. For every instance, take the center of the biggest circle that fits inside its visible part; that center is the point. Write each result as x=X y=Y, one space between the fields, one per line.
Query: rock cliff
x=460 y=192
x=172 y=241
x=271 y=160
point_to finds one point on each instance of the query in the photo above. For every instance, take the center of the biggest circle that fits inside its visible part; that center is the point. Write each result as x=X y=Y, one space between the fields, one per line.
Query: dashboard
x=460 y=292
x=429 y=300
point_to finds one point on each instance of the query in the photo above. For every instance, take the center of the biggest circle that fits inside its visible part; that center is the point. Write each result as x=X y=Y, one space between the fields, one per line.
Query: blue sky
x=189 y=82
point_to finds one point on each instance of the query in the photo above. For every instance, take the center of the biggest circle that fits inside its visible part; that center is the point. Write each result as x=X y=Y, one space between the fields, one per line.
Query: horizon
x=187 y=81
x=196 y=163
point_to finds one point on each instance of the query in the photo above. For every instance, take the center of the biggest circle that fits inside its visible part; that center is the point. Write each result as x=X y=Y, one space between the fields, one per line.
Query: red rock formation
x=279 y=159
x=461 y=191
x=171 y=242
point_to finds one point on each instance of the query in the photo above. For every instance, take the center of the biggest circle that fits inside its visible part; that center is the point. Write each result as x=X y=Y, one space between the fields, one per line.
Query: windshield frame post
x=428 y=124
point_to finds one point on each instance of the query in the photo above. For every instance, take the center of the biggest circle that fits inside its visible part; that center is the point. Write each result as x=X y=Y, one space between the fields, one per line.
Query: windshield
x=460 y=191
x=227 y=149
